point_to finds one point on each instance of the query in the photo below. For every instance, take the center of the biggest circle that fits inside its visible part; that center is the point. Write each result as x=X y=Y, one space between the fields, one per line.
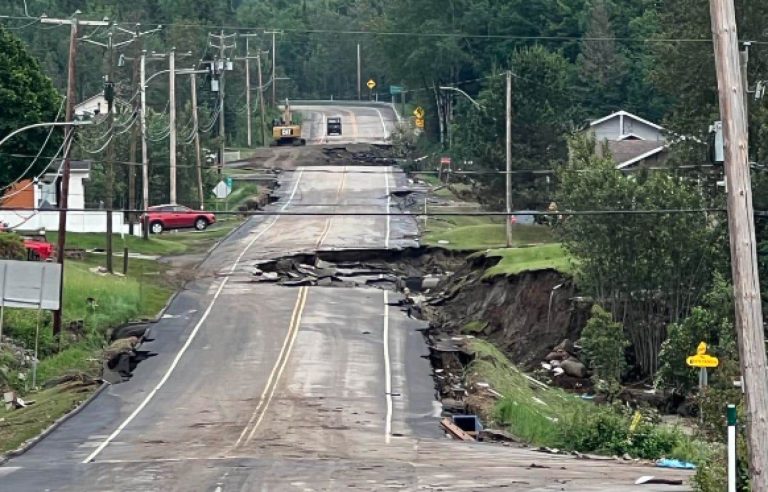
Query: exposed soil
x=523 y=315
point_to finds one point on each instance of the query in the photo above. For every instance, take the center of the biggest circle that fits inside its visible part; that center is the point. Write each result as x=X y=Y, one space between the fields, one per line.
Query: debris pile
x=292 y=272
x=359 y=154
x=565 y=368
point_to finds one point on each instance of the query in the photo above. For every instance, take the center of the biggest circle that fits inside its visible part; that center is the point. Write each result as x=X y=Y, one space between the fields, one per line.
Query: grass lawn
x=477 y=233
x=167 y=244
x=526 y=259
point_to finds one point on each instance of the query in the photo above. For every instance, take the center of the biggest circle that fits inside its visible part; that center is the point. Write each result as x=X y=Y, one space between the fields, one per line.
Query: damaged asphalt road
x=257 y=386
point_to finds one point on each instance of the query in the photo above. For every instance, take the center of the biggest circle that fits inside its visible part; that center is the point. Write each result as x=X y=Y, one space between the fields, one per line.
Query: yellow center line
x=274 y=377
x=328 y=220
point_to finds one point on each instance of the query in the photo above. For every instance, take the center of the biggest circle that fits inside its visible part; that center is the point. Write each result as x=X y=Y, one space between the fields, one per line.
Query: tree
x=27 y=96
x=603 y=68
x=648 y=270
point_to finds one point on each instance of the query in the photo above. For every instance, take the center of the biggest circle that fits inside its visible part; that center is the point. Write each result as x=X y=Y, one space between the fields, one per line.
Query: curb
x=33 y=441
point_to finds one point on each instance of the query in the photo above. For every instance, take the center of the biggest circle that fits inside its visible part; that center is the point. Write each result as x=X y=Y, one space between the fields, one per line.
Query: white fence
x=87 y=221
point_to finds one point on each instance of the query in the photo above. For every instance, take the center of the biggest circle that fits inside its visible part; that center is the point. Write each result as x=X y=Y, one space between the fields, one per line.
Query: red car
x=163 y=217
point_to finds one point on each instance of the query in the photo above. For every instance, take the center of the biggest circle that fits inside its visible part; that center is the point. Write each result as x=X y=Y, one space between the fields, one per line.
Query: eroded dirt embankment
x=524 y=315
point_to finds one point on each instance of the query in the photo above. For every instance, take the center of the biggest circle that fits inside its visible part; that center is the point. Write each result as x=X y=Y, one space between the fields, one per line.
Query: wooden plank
x=455 y=430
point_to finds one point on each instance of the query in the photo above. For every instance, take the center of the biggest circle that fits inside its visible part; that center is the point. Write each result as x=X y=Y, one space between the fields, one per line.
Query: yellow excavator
x=285 y=131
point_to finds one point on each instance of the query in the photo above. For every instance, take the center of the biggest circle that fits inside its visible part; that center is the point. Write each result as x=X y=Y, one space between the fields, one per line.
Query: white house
x=631 y=140
x=96 y=105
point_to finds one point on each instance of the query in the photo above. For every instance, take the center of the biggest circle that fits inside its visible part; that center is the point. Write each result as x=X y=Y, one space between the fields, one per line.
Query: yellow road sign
x=419 y=112
x=371 y=84
x=702 y=359
x=419 y=122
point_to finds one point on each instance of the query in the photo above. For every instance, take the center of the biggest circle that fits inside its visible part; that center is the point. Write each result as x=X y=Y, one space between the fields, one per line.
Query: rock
x=556 y=355
x=565 y=346
x=574 y=367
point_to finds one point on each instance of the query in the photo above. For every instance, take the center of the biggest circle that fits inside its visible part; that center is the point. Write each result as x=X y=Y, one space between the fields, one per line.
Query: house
x=96 y=105
x=631 y=140
x=44 y=192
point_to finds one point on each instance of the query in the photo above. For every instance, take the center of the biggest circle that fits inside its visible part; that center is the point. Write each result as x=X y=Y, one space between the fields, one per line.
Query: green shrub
x=11 y=246
x=603 y=344
x=607 y=431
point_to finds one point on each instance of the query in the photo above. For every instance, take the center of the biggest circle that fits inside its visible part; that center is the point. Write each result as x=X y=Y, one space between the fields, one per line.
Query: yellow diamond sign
x=371 y=84
x=702 y=359
x=419 y=112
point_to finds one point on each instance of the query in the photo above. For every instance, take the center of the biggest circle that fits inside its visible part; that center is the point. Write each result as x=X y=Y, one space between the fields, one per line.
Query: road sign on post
x=419 y=113
x=702 y=359
x=222 y=190
x=228 y=180
x=395 y=90
x=419 y=122
x=371 y=84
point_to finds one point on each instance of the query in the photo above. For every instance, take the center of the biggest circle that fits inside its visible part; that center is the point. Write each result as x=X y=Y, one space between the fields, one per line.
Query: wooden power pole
x=196 y=129
x=67 y=165
x=508 y=145
x=741 y=228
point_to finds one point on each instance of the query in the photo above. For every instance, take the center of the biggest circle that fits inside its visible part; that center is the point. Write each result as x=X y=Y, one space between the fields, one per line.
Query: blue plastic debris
x=668 y=463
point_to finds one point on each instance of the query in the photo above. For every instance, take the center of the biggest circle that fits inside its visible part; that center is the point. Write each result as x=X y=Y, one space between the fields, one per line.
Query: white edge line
x=389 y=201
x=190 y=338
x=383 y=125
x=387 y=370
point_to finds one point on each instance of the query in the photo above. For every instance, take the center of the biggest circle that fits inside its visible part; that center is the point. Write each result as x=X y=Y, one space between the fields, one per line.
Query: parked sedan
x=164 y=217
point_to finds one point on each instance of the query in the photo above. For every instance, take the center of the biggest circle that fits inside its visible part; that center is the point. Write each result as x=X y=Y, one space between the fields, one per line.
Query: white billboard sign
x=29 y=284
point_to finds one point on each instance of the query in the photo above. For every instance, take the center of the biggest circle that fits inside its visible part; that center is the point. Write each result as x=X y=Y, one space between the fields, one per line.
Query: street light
x=456 y=89
x=43 y=125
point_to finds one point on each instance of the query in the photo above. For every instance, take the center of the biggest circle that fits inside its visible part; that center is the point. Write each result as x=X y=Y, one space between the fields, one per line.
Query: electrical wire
x=68 y=143
x=99 y=150
x=42 y=147
x=422 y=34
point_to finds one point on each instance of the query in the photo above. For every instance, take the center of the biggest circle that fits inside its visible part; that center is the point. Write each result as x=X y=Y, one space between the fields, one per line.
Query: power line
x=421 y=34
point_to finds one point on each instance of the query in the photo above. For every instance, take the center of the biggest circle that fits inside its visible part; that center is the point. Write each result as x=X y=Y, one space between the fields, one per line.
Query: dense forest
x=572 y=61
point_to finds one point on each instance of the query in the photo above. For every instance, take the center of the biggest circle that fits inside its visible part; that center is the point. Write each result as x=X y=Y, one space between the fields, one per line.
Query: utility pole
x=359 y=75
x=741 y=228
x=247 y=60
x=274 y=65
x=132 y=152
x=248 y=90
x=109 y=95
x=67 y=167
x=221 y=66
x=509 y=158
x=144 y=150
x=198 y=157
x=262 y=109
x=172 y=122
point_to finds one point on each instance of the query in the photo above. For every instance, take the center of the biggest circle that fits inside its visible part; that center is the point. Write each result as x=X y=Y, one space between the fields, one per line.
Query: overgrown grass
x=527 y=259
x=530 y=411
x=18 y=426
x=546 y=416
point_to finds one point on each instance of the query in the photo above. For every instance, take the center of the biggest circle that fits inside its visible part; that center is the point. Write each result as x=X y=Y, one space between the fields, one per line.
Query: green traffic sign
x=395 y=89
x=229 y=182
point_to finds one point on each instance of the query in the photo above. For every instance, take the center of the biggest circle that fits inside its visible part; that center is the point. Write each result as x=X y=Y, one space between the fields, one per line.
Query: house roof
x=628 y=152
x=626 y=115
